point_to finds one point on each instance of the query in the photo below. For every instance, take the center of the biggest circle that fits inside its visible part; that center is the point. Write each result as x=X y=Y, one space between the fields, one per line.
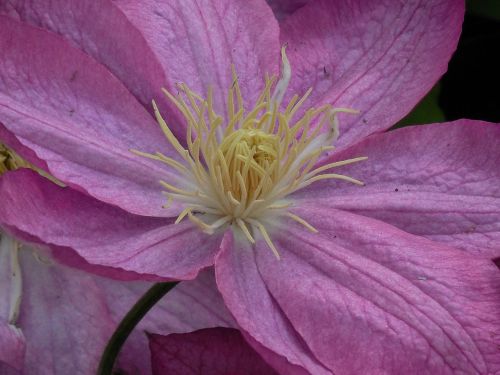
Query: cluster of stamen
x=239 y=170
x=9 y=160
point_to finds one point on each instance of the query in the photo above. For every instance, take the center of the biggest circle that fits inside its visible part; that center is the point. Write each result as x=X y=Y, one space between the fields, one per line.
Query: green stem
x=127 y=325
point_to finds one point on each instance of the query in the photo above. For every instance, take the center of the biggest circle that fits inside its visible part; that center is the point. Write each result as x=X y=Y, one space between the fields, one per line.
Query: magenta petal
x=369 y=298
x=376 y=57
x=437 y=181
x=209 y=352
x=197 y=41
x=103 y=234
x=257 y=313
x=283 y=8
x=102 y=31
x=78 y=118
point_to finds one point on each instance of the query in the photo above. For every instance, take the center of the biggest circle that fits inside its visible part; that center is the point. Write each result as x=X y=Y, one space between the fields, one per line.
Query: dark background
x=471 y=87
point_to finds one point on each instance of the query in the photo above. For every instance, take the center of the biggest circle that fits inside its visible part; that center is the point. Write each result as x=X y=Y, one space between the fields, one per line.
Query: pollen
x=237 y=169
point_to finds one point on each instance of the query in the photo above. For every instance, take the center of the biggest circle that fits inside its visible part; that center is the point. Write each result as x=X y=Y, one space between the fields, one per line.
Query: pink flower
x=398 y=278
x=57 y=320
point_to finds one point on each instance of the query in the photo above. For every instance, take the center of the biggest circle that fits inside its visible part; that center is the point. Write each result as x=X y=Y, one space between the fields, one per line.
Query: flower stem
x=127 y=325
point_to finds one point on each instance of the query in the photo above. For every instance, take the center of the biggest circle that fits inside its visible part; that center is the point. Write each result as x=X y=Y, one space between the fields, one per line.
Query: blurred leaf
x=485 y=8
x=425 y=112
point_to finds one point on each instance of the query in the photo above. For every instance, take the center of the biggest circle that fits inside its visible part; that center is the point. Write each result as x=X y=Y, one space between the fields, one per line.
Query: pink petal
x=376 y=57
x=170 y=315
x=191 y=305
x=101 y=30
x=210 y=352
x=102 y=234
x=437 y=181
x=64 y=317
x=196 y=42
x=12 y=347
x=55 y=309
x=7 y=276
x=258 y=314
x=78 y=118
x=12 y=343
x=63 y=328
x=368 y=298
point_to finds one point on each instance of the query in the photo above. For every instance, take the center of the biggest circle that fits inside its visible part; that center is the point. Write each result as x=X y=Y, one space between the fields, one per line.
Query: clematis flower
x=234 y=168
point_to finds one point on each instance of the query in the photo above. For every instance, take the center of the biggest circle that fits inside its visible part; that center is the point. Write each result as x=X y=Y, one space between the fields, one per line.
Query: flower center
x=239 y=170
x=249 y=155
x=9 y=160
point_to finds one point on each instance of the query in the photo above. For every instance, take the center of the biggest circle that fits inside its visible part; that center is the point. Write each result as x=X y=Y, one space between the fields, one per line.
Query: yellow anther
x=10 y=161
x=243 y=166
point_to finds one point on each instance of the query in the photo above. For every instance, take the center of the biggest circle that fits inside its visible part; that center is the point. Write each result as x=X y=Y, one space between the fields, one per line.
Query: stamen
x=244 y=228
x=202 y=225
x=177 y=190
x=168 y=133
x=239 y=170
x=282 y=85
x=336 y=164
x=169 y=201
x=183 y=214
x=264 y=233
x=165 y=159
x=298 y=219
x=333 y=175
x=219 y=223
x=279 y=206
